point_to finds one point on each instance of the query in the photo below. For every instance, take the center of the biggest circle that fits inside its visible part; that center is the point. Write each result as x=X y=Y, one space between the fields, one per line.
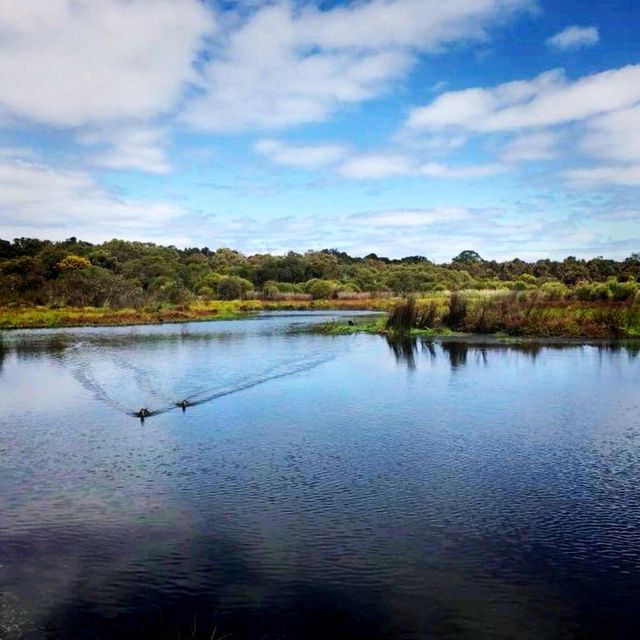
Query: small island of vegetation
x=70 y=283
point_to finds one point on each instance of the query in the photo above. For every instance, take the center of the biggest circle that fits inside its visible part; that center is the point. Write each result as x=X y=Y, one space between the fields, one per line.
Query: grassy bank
x=524 y=314
x=33 y=317
x=510 y=314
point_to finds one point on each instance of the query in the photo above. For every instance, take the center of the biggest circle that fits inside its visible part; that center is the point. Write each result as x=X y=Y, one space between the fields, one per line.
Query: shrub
x=427 y=317
x=229 y=289
x=270 y=292
x=622 y=291
x=554 y=291
x=320 y=289
x=205 y=291
x=457 y=312
x=402 y=316
x=73 y=263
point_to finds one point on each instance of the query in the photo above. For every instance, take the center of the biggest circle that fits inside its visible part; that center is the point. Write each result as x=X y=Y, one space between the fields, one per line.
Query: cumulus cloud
x=75 y=62
x=37 y=200
x=463 y=172
x=530 y=146
x=622 y=175
x=614 y=136
x=412 y=217
x=379 y=166
x=301 y=156
x=547 y=100
x=574 y=38
x=142 y=148
x=438 y=232
x=287 y=66
x=375 y=166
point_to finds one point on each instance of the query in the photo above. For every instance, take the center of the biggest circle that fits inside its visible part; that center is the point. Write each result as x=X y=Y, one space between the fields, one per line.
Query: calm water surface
x=320 y=487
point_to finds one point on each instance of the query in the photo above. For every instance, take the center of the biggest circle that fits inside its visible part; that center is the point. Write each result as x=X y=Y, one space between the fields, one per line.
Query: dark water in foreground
x=326 y=487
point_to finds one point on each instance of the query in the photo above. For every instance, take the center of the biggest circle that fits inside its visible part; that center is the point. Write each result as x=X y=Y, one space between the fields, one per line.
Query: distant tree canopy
x=123 y=273
x=467 y=257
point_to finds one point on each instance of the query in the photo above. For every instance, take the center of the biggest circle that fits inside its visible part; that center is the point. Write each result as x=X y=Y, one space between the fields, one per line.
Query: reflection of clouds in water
x=158 y=371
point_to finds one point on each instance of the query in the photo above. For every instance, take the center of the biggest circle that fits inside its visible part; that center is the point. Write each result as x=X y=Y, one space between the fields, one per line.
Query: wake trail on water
x=81 y=359
x=82 y=371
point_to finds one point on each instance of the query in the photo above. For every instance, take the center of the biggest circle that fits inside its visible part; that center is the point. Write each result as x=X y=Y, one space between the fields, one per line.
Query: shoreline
x=40 y=317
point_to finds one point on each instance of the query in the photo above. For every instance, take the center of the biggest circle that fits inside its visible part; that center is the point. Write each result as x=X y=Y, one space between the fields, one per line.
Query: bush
x=320 y=289
x=73 y=263
x=270 y=292
x=229 y=289
x=592 y=291
x=622 y=291
x=402 y=317
x=554 y=291
x=205 y=291
x=427 y=317
x=457 y=313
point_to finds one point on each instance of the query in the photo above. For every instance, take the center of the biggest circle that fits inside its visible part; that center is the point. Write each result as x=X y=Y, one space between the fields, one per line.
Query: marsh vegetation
x=48 y=284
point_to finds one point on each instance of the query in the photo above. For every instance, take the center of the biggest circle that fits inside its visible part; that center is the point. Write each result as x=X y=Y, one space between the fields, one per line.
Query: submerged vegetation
x=45 y=283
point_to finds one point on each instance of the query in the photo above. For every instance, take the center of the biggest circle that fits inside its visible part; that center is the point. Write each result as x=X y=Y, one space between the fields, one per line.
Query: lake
x=317 y=487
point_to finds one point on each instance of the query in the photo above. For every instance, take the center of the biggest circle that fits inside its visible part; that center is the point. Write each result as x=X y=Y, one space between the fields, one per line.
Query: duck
x=142 y=414
x=183 y=404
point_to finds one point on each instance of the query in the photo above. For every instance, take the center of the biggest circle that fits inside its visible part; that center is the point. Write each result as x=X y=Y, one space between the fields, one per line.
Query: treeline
x=119 y=273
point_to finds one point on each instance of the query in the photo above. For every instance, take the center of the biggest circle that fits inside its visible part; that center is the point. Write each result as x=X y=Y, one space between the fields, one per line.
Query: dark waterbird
x=183 y=404
x=142 y=414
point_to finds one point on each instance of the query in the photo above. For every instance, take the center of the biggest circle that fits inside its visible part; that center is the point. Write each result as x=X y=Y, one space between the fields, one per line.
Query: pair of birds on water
x=145 y=413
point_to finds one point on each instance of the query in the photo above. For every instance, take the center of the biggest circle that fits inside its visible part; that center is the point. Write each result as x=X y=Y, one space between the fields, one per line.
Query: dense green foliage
x=134 y=274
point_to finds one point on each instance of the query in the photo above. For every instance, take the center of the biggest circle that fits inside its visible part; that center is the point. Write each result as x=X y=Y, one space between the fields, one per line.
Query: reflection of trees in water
x=405 y=349
x=457 y=352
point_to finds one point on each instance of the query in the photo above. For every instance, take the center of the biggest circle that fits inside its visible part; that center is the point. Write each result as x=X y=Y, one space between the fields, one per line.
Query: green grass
x=524 y=314
x=44 y=317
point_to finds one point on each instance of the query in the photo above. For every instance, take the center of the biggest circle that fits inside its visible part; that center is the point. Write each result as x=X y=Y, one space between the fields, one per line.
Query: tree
x=73 y=263
x=229 y=289
x=320 y=289
x=467 y=257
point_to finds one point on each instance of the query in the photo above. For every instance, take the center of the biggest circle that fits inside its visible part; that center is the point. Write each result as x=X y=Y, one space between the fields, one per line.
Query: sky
x=399 y=127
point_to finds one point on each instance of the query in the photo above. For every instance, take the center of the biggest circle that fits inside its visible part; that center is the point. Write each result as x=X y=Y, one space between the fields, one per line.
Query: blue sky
x=399 y=127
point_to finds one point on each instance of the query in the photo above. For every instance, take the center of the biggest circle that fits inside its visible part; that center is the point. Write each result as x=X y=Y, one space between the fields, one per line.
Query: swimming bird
x=183 y=404
x=142 y=414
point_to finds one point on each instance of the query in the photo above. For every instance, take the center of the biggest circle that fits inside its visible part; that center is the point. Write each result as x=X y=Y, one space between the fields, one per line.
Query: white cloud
x=285 y=66
x=574 y=38
x=614 y=136
x=412 y=217
x=438 y=232
x=462 y=172
x=375 y=166
x=547 y=100
x=379 y=166
x=36 y=200
x=539 y=145
x=622 y=175
x=75 y=62
x=141 y=148
x=301 y=156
